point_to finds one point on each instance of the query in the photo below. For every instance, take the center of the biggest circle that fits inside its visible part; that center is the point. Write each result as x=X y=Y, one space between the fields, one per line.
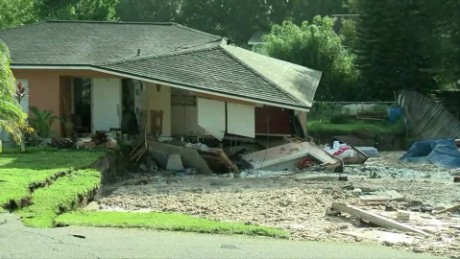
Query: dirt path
x=298 y=204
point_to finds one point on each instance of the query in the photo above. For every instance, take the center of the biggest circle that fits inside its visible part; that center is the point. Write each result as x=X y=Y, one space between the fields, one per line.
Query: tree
x=12 y=118
x=390 y=49
x=306 y=10
x=98 y=10
x=20 y=12
x=316 y=45
x=348 y=33
x=235 y=19
x=16 y=13
x=149 y=10
x=443 y=39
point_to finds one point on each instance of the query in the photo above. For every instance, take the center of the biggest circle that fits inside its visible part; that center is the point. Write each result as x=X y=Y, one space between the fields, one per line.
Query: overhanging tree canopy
x=12 y=118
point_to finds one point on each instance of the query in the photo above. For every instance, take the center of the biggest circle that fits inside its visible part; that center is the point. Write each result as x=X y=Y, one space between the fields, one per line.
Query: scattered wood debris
x=450 y=209
x=376 y=219
x=381 y=196
x=218 y=160
x=138 y=151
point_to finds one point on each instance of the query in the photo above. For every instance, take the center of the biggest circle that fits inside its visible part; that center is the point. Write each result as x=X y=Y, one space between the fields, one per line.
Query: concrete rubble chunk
x=190 y=157
x=287 y=156
x=174 y=162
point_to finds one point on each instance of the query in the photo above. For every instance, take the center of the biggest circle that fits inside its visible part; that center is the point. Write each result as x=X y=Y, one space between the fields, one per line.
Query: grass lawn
x=377 y=128
x=59 y=197
x=164 y=221
x=20 y=170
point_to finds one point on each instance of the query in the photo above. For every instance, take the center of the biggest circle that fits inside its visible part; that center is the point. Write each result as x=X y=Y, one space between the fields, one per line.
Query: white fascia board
x=106 y=71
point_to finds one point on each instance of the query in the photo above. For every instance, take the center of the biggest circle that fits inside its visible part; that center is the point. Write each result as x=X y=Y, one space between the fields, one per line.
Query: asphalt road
x=17 y=241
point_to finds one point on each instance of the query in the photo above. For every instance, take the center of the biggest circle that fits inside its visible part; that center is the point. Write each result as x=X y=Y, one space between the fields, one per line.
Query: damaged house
x=161 y=79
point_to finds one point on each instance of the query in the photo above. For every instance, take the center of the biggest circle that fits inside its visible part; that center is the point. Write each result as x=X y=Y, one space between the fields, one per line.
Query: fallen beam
x=330 y=178
x=376 y=219
x=455 y=227
x=450 y=209
x=381 y=196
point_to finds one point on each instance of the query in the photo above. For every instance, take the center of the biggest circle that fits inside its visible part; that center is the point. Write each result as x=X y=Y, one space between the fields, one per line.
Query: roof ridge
x=195 y=30
x=167 y=54
x=258 y=74
x=139 y=23
x=108 y=22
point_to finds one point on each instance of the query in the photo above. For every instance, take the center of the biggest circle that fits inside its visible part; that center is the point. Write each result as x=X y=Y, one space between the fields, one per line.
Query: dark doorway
x=129 y=123
x=82 y=104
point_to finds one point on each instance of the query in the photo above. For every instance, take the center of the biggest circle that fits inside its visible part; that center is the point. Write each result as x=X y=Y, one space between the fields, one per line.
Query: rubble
x=348 y=153
x=291 y=156
x=190 y=157
x=298 y=200
x=100 y=140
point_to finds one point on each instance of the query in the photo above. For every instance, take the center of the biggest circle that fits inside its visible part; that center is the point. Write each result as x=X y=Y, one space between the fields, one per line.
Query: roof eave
x=158 y=81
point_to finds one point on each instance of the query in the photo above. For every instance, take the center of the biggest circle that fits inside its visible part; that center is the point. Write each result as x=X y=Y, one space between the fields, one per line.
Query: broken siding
x=159 y=109
x=241 y=120
x=273 y=121
x=211 y=117
x=184 y=114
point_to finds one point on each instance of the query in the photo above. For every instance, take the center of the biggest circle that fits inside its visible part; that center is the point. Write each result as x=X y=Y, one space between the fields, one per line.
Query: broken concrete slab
x=190 y=157
x=368 y=151
x=287 y=156
x=175 y=162
x=160 y=157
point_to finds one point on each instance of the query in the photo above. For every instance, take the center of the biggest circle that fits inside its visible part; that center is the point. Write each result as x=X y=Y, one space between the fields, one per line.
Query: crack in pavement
x=48 y=237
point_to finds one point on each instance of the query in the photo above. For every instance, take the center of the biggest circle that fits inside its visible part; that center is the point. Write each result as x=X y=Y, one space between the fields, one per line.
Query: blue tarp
x=443 y=152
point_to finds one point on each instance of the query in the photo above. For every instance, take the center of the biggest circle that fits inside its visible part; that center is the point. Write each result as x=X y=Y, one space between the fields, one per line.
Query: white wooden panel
x=211 y=117
x=185 y=121
x=106 y=103
x=241 y=120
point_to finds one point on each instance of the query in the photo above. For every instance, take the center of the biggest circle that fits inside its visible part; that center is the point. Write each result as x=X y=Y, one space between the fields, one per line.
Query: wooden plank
x=376 y=219
x=450 y=209
x=455 y=227
x=381 y=196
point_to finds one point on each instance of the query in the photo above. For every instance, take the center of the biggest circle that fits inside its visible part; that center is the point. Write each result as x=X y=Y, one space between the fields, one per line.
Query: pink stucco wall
x=48 y=88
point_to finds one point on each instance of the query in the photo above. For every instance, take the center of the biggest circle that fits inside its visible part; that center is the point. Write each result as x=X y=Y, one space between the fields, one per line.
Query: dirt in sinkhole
x=299 y=205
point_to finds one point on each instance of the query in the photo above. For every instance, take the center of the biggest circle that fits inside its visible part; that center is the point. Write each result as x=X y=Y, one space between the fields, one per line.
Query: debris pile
x=100 y=139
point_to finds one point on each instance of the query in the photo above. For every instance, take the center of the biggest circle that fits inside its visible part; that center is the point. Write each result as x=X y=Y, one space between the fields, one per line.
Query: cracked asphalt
x=17 y=241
